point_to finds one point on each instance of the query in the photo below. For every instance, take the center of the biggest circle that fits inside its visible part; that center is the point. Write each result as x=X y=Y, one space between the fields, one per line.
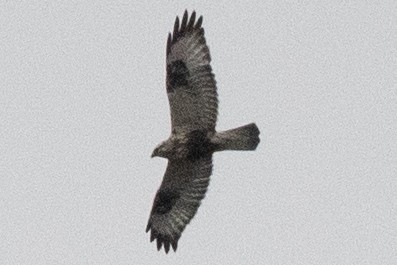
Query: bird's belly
x=195 y=145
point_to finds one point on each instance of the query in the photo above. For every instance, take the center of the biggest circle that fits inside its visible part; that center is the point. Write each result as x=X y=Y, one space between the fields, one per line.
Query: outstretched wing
x=184 y=185
x=191 y=85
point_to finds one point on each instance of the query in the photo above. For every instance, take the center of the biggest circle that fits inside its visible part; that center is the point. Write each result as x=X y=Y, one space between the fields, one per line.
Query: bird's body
x=192 y=93
x=187 y=144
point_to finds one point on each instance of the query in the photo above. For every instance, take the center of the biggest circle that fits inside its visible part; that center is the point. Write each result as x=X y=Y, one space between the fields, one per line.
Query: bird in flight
x=193 y=100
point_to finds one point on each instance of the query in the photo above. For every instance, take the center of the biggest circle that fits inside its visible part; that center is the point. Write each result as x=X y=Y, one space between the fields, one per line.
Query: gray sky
x=83 y=104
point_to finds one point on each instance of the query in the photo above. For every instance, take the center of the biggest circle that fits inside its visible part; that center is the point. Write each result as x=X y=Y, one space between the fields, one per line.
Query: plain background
x=83 y=104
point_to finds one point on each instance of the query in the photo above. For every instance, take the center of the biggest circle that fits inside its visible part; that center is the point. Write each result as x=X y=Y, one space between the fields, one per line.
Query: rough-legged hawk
x=192 y=95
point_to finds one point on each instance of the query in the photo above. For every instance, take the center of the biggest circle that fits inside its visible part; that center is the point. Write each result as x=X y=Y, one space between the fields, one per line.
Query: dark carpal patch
x=177 y=75
x=165 y=200
x=199 y=145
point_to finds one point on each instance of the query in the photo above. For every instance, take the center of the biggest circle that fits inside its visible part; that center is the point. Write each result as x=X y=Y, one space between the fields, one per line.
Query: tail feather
x=242 y=138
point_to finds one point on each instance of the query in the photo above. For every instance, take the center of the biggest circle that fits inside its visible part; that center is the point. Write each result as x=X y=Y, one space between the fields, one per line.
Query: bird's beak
x=154 y=154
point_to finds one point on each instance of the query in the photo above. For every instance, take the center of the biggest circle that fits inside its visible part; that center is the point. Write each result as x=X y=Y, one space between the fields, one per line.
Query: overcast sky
x=83 y=103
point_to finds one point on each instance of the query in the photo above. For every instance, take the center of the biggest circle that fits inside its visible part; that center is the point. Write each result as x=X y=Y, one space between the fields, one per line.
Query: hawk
x=193 y=100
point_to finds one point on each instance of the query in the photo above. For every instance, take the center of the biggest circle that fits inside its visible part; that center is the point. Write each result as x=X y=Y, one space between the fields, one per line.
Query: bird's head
x=160 y=150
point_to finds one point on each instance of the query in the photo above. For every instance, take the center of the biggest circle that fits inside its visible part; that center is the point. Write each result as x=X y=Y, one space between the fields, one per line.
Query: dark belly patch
x=199 y=145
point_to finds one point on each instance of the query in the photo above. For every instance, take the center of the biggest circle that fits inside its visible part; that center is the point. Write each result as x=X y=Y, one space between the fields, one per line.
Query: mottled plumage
x=192 y=94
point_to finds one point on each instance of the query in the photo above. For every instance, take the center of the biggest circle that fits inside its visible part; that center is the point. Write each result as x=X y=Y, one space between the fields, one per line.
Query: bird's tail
x=242 y=138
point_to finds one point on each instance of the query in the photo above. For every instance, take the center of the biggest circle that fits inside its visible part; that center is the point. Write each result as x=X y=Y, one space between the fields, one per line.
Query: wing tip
x=169 y=41
x=166 y=241
x=181 y=27
x=174 y=245
x=168 y=244
x=176 y=27
x=199 y=22
x=184 y=20
x=192 y=20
